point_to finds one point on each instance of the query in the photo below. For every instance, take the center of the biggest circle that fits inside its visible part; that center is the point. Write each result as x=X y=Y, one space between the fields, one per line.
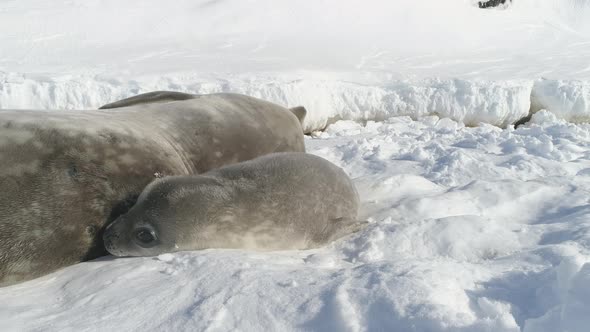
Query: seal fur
x=279 y=201
x=64 y=175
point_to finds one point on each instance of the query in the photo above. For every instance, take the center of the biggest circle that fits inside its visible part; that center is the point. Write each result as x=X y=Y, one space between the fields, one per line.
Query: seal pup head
x=166 y=218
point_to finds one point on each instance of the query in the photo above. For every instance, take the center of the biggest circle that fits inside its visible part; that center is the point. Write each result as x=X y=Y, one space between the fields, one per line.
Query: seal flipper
x=300 y=112
x=149 y=98
x=354 y=226
x=338 y=228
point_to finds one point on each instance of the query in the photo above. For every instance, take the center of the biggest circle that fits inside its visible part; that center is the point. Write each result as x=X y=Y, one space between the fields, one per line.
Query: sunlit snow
x=475 y=225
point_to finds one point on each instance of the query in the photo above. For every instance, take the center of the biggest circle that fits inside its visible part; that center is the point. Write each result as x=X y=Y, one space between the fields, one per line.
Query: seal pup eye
x=145 y=237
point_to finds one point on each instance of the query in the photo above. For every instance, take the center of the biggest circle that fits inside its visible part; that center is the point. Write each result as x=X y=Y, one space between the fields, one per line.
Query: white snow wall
x=498 y=103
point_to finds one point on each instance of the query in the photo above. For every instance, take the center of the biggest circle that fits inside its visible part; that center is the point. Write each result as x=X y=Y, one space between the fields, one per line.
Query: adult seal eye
x=145 y=237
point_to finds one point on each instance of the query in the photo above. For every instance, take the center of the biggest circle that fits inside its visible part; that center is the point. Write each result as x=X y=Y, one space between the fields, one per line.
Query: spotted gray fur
x=64 y=175
x=279 y=201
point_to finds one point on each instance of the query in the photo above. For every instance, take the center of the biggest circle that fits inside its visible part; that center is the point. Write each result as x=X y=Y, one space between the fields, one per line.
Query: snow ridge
x=472 y=102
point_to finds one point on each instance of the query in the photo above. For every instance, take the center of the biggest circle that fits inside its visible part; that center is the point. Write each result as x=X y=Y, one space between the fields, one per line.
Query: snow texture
x=475 y=225
x=472 y=102
x=339 y=60
x=472 y=229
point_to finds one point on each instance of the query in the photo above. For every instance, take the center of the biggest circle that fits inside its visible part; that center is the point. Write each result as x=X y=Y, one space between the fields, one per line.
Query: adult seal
x=64 y=175
x=275 y=202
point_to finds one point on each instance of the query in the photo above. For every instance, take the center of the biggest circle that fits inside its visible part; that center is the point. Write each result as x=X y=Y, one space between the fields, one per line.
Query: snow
x=472 y=102
x=339 y=60
x=569 y=100
x=475 y=225
x=471 y=229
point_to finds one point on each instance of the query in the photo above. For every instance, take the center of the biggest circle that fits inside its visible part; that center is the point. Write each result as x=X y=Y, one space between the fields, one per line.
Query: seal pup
x=275 y=202
x=65 y=174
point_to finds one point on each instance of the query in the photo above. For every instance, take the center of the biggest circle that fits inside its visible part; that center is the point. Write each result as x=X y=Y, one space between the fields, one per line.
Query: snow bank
x=569 y=100
x=338 y=59
x=471 y=102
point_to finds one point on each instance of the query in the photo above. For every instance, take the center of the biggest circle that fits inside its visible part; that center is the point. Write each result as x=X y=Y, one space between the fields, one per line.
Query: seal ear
x=299 y=112
x=149 y=98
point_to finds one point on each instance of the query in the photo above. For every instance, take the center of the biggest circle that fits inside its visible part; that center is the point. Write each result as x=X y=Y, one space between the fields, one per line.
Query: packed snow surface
x=471 y=229
x=474 y=225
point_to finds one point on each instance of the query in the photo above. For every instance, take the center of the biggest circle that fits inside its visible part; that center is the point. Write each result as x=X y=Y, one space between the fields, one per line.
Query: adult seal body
x=279 y=201
x=65 y=174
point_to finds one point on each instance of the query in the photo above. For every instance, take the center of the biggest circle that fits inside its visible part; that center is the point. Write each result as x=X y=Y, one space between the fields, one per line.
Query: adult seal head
x=279 y=201
x=65 y=174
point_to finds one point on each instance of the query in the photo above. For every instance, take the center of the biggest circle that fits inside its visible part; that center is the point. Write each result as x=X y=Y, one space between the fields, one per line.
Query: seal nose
x=108 y=238
x=110 y=246
x=108 y=243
